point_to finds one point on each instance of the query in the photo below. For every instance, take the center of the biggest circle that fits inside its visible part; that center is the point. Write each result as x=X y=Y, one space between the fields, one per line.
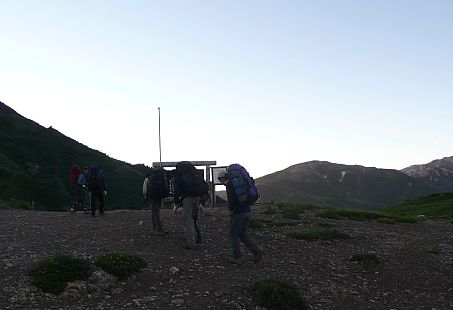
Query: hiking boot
x=161 y=233
x=258 y=256
x=235 y=260
x=101 y=213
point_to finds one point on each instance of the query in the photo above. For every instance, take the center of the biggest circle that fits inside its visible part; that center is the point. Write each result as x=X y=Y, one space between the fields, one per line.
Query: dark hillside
x=35 y=164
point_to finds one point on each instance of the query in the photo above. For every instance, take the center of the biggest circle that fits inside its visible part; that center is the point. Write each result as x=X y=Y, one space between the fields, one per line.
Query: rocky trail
x=411 y=275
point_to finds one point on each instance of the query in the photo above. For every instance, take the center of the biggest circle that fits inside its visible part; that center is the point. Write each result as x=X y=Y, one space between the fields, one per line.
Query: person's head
x=223 y=177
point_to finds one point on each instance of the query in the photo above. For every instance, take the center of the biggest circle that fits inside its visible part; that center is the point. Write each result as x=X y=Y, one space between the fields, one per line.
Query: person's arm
x=231 y=197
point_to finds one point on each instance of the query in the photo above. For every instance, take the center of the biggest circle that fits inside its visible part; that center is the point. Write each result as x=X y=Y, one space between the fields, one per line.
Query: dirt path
x=409 y=277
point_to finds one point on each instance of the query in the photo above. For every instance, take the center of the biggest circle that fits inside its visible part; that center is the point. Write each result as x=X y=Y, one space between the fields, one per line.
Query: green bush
x=52 y=274
x=366 y=259
x=120 y=264
x=277 y=294
x=318 y=234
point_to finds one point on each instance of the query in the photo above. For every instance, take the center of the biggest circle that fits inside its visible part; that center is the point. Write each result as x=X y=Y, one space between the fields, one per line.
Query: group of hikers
x=91 y=179
x=189 y=190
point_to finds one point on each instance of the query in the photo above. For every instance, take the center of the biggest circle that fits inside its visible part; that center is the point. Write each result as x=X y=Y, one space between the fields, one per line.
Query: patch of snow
x=343 y=173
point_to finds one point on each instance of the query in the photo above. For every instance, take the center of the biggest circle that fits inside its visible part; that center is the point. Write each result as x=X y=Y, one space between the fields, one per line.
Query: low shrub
x=120 y=264
x=52 y=274
x=366 y=259
x=275 y=293
x=318 y=234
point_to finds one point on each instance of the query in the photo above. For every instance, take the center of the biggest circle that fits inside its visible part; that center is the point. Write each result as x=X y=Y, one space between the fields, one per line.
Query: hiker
x=76 y=190
x=81 y=186
x=155 y=189
x=96 y=185
x=240 y=218
x=189 y=185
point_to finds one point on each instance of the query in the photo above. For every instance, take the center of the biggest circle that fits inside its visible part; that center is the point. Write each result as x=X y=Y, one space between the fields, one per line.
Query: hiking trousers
x=239 y=226
x=97 y=194
x=189 y=205
x=155 y=204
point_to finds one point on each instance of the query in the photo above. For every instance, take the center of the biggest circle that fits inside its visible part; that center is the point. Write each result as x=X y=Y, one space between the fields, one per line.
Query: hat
x=222 y=175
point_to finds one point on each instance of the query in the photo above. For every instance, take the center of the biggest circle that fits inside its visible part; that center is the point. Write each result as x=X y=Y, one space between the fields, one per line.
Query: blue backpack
x=243 y=185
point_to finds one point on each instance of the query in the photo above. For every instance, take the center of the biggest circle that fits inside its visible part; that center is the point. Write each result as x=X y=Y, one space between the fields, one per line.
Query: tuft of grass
x=270 y=210
x=276 y=293
x=260 y=224
x=366 y=259
x=120 y=264
x=318 y=234
x=362 y=215
x=292 y=210
x=264 y=224
x=52 y=274
x=435 y=250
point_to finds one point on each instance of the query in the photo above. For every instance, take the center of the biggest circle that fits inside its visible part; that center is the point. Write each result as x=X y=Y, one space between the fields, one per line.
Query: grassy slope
x=436 y=205
x=35 y=163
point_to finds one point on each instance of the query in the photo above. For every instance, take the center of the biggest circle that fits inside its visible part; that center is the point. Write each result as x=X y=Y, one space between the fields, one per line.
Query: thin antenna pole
x=160 y=149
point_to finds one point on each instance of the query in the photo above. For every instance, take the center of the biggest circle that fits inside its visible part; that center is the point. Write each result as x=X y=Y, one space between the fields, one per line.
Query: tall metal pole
x=160 y=149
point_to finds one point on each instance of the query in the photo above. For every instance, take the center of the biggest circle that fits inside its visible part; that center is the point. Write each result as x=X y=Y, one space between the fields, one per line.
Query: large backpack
x=157 y=186
x=192 y=179
x=94 y=179
x=243 y=185
x=74 y=176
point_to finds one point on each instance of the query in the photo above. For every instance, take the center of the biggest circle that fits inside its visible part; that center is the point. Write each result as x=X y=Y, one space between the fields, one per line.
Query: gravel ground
x=415 y=270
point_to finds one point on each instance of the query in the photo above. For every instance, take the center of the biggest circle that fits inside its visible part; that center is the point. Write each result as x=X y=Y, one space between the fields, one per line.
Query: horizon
x=266 y=85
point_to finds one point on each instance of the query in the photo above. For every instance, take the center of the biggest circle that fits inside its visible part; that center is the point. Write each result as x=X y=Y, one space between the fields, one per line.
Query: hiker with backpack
x=77 y=188
x=81 y=184
x=241 y=194
x=189 y=185
x=155 y=189
x=96 y=185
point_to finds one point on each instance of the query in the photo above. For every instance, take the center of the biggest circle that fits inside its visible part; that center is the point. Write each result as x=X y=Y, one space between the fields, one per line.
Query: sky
x=267 y=84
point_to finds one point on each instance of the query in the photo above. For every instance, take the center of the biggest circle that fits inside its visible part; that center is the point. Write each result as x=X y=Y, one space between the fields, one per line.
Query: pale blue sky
x=266 y=84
